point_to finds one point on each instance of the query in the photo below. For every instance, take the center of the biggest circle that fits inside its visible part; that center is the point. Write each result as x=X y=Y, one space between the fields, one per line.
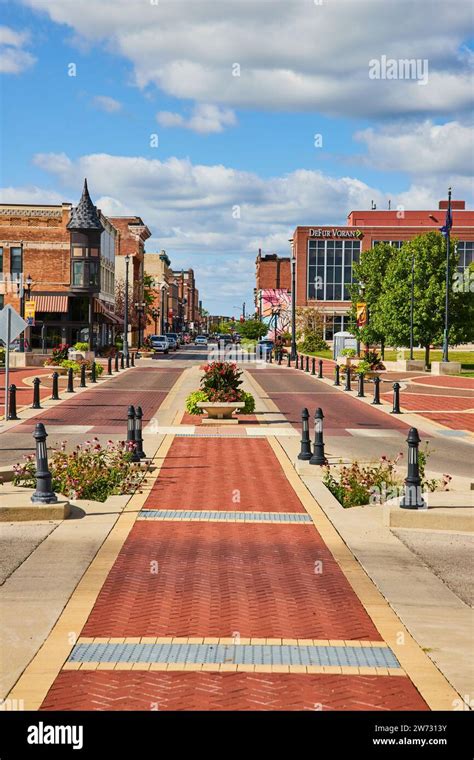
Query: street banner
x=361 y=311
x=30 y=311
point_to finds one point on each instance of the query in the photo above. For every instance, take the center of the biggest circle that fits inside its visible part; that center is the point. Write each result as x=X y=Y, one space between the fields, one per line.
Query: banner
x=30 y=311
x=361 y=311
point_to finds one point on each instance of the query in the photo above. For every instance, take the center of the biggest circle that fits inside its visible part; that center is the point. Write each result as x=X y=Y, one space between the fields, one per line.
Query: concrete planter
x=405 y=365
x=445 y=368
x=220 y=411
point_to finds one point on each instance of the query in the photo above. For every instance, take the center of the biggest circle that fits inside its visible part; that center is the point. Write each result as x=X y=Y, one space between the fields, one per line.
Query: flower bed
x=220 y=384
x=90 y=471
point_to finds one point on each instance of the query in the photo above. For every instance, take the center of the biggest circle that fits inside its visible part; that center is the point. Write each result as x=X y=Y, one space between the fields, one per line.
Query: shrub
x=76 y=366
x=312 y=343
x=59 y=354
x=374 y=360
x=249 y=407
x=193 y=399
x=363 y=367
x=90 y=471
x=221 y=376
x=348 y=352
x=80 y=346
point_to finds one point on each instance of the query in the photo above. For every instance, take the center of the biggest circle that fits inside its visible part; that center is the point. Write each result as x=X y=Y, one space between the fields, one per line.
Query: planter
x=220 y=411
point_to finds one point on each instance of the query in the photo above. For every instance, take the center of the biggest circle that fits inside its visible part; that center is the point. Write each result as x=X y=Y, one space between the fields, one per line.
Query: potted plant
x=220 y=395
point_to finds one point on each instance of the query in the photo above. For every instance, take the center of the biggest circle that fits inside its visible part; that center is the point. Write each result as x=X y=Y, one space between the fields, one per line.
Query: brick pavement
x=24 y=392
x=200 y=579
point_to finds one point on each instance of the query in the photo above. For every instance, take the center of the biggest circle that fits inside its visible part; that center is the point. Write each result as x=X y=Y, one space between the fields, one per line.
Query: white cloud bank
x=13 y=58
x=205 y=119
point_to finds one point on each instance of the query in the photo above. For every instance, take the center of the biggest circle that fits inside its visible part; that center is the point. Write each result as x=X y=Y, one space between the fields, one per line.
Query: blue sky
x=226 y=141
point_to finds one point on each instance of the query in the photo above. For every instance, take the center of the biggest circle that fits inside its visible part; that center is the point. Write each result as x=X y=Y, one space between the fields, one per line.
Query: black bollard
x=396 y=399
x=347 y=386
x=43 y=493
x=320 y=369
x=127 y=361
x=305 y=452
x=306 y=366
x=296 y=361
x=12 y=415
x=131 y=433
x=138 y=432
x=337 y=371
x=360 y=390
x=83 y=376
x=122 y=361
x=318 y=449
x=301 y=361
x=133 y=360
x=280 y=354
x=116 y=362
x=109 y=365
x=270 y=357
x=288 y=359
x=70 y=381
x=377 y=382
x=93 y=373
x=55 y=394
x=313 y=366
x=413 y=495
x=36 y=393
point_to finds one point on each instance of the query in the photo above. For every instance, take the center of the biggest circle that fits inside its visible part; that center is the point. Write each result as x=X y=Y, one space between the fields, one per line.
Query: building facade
x=325 y=254
x=65 y=270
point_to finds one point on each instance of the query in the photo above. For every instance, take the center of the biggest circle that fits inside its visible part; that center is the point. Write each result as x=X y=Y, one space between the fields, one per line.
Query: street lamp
x=293 y=301
x=155 y=313
x=164 y=287
x=412 y=303
x=125 y=316
x=21 y=292
x=140 y=309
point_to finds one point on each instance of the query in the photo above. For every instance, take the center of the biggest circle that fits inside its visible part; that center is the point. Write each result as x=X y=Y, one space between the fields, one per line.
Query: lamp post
x=140 y=309
x=21 y=290
x=125 y=316
x=447 y=228
x=412 y=303
x=293 y=301
x=155 y=314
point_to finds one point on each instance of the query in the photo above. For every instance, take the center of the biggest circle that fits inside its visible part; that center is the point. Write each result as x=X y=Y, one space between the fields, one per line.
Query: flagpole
x=446 y=315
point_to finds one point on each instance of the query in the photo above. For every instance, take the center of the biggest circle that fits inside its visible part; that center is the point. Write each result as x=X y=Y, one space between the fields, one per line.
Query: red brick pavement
x=142 y=690
x=24 y=391
x=212 y=473
x=430 y=402
x=446 y=381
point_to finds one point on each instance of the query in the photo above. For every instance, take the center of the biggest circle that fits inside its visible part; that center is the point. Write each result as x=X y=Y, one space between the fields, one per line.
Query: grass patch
x=436 y=355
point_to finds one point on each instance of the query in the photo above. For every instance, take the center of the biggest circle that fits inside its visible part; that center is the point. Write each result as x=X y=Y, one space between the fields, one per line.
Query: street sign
x=16 y=327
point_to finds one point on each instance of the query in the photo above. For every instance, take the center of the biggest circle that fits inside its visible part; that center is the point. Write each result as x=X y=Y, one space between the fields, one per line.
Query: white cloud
x=106 y=103
x=292 y=55
x=214 y=217
x=205 y=119
x=13 y=59
x=29 y=194
x=423 y=148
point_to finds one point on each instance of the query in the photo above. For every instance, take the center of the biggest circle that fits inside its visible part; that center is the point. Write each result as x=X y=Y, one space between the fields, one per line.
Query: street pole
x=412 y=303
x=125 y=316
x=293 y=307
x=446 y=315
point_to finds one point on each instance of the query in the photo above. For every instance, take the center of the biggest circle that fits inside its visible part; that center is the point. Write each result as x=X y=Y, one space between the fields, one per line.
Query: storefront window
x=85 y=274
x=330 y=268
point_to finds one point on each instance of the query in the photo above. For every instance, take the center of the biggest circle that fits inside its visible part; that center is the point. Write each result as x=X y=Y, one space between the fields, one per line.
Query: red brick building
x=325 y=254
x=189 y=316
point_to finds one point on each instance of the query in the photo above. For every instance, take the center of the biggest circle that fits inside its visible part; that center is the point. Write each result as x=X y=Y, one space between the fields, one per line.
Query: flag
x=445 y=230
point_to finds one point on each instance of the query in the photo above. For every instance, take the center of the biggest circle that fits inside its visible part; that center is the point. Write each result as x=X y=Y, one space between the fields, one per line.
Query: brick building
x=71 y=269
x=325 y=254
x=164 y=308
x=189 y=316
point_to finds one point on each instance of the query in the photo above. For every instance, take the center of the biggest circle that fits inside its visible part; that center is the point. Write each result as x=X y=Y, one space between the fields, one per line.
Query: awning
x=49 y=303
x=100 y=308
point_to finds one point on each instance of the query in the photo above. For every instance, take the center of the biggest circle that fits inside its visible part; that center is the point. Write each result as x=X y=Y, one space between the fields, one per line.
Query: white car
x=201 y=340
x=160 y=343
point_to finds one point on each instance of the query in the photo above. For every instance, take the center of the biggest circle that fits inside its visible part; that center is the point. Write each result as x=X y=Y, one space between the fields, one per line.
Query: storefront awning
x=100 y=308
x=50 y=303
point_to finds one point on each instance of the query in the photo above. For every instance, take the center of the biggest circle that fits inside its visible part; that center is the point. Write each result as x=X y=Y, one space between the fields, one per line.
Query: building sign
x=30 y=310
x=335 y=232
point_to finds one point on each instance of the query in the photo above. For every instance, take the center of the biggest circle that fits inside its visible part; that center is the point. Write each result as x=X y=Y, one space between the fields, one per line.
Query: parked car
x=172 y=339
x=201 y=340
x=176 y=337
x=160 y=343
x=265 y=347
x=226 y=337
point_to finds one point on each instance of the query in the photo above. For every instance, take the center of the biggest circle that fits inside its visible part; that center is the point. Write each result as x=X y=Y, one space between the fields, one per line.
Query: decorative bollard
x=122 y=361
x=138 y=432
x=396 y=399
x=296 y=361
x=347 y=386
x=318 y=449
x=43 y=493
x=127 y=361
x=337 y=371
x=83 y=376
x=302 y=362
x=70 y=381
x=305 y=452
x=109 y=365
x=288 y=359
x=93 y=373
x=55 y=393
x=313 y=366
x=413 y=495
x=36 y=393
x=306 y=366
x=131 y=433
x=280 y=354
x=270 y=358
x=133 y=360
x=377 y=382
x=12 y=415
x=116 y=362
x=320 y=369
x=360 y=384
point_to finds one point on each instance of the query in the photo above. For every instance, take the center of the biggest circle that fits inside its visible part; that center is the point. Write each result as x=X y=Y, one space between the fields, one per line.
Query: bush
x=76 y=366
x=313 y=343
x=221 y=377
x=81 y=346
x=193 y=399
x=348 y=352
x=90 y=471
x=249 y=407
x=59 y=354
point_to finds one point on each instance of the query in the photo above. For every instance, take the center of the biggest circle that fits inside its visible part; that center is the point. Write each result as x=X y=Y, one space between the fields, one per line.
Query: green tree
x=252 y=329
x=392 y=314
x=309 y=321
x=369 y=272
